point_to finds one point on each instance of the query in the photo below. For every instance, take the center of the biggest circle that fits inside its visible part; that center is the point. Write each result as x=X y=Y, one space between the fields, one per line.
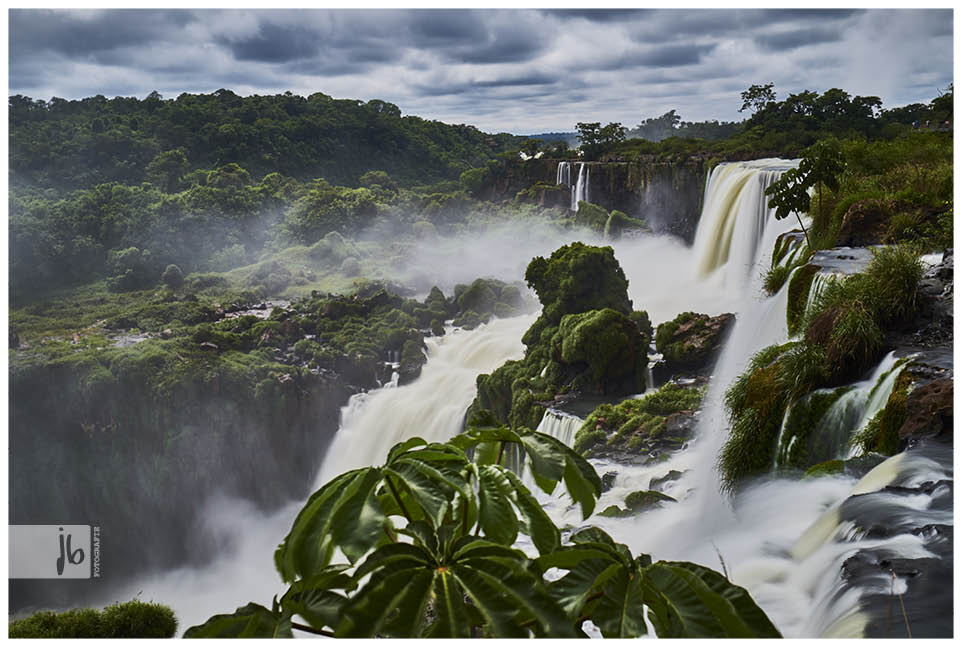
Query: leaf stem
x=501 y=452
x=312 y=630
x=397 y=497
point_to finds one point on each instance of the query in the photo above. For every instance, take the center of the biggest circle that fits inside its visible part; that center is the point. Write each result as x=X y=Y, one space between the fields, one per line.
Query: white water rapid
x=763 y=541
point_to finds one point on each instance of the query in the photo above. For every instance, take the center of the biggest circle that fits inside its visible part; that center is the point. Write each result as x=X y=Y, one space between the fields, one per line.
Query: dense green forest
x=68 y=145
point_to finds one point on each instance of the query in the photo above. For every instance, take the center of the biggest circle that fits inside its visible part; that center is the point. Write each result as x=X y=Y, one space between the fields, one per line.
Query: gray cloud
x=792 y=40
x=518 y=70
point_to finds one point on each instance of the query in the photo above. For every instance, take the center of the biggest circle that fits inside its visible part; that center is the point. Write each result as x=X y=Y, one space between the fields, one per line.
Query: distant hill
x=571 y=137
x=80 y=143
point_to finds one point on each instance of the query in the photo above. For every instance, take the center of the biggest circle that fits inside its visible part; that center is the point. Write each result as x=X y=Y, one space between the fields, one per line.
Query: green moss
x=881 y=434
x=827 y=468
x=576 y=278
x=591 y=216
x=800 y=445
x=609 y=344
x=775 y=277
x=756 y=405
x=635 y=422
x=645 y=500
x=798 y=290
x=130 y=620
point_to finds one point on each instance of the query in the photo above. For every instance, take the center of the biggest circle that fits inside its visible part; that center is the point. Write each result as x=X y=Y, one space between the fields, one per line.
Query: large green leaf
x=325 y=522
x=498 y=519
x=314 y=600
x=250 y=621
x=620 y=612
x=688 y=600
x=350 y=512
x=538 y=525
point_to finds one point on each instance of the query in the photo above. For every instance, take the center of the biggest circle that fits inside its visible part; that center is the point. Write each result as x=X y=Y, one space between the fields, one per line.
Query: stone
x=929 y=409
x=864 y=223
x=608 y=481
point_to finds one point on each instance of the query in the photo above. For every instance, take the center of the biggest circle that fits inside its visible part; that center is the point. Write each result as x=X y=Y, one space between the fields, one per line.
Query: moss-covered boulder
x=576 y=278
x=618 y=223
x=591 y=216
x=412 y=359
x=610 y=348
x=691 y=341
x=644 y=428
x=642 y=500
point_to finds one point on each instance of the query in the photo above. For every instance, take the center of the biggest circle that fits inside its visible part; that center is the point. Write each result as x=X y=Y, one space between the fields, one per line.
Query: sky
x=521 y=71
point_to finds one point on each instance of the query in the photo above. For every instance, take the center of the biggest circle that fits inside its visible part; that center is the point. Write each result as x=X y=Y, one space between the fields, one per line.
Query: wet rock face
x=864 y=223
x=690 y=343
x=930 y=411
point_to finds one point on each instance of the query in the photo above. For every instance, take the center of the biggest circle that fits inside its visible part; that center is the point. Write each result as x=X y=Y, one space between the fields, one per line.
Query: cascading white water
x=560 y=425
x=580 y=191
x=374 y=422
x=736 y=216
x=563 y=175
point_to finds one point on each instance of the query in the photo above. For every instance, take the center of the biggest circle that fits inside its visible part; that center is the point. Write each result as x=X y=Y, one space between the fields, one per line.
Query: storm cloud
x=524 y=71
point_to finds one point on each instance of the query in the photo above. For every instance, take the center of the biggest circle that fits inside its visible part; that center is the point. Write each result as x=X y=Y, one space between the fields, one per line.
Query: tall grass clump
x=130 y=620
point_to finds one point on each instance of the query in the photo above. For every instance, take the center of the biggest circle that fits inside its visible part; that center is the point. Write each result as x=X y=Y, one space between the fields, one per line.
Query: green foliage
x=576 y=278
x=757 y=97
x=595 y=139
x=130 y=620
x=446 y=581
x=881 y=434
x=610 y=344
x=641 y=419
x=775 y=277
x=172 y=276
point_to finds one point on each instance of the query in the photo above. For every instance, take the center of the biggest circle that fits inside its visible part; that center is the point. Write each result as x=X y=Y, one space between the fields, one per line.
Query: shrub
x=130 y=620
x=172 y=276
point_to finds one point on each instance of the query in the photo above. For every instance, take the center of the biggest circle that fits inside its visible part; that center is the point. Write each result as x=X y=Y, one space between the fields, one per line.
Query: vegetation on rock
x=130 y=620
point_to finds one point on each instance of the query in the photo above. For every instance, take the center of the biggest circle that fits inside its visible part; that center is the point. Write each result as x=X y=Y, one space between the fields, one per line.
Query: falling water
x=563 y=176
x=560 y=425
x=580 y=191
x=374 y=422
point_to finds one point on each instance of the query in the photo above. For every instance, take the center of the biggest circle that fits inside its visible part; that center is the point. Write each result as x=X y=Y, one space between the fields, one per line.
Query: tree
x=821 y=165
x=167 y=168
x=595 y=138
x=943 y=104
x=433 y=576
x=757 y=97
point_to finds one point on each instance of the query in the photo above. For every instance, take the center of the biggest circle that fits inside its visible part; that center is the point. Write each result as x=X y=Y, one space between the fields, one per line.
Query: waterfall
x=580 y=191
x=735 y=218
x=560 y=425
x=563 y=176
x=372 y=423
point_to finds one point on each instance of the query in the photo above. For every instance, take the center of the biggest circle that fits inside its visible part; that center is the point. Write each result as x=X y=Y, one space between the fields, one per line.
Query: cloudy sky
x=522 y=71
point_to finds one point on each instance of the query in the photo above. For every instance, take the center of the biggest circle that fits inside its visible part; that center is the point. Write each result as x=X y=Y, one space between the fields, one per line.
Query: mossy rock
x=609 y=344
x=798 y=290
x=618 y=222
x=642 y=500
x=826 y=468
x=614 y=511
x=691 y=340
x=591 y=216
x=130 y=620
x=576 y=278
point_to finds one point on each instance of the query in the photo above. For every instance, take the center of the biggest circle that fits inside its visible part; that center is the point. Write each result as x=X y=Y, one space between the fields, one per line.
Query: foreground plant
x=429 y=540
